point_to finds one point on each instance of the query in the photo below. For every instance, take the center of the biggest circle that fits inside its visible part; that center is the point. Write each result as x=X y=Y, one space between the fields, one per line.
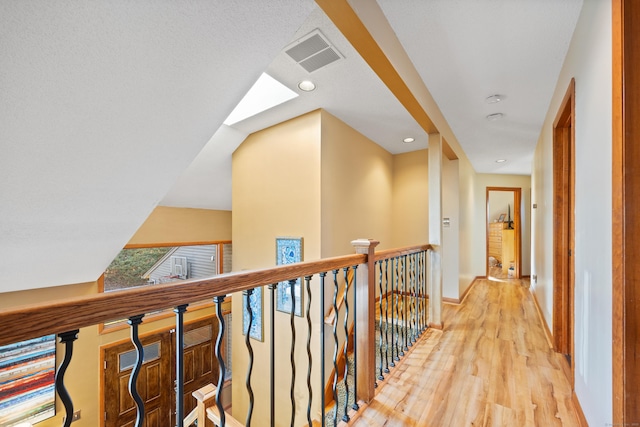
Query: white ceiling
x=347 y=88
x=464 y=51
x=467 y=50
x=104 y=105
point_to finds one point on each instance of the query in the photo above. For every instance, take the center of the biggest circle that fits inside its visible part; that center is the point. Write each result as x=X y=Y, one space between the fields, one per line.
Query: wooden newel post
x=366 y=316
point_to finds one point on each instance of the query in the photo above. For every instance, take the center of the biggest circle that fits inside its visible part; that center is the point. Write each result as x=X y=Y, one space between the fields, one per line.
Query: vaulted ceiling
x=109 y=108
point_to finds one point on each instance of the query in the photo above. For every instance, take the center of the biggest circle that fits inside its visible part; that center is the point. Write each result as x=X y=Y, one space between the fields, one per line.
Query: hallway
x=490 y=366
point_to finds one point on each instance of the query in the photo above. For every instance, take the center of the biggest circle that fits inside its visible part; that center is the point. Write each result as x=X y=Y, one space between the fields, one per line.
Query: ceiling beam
x=356 y=32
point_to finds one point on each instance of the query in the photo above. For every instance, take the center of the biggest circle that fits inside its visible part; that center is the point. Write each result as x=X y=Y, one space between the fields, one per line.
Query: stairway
x=341 y=389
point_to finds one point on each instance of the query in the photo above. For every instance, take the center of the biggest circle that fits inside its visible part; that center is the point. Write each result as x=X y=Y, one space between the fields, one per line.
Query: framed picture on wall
x=27 y=381
x=255 y=302
x=289 y=251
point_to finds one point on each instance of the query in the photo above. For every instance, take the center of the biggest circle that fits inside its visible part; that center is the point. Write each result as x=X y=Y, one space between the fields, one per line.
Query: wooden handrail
x=31 y=321
x=392 y=253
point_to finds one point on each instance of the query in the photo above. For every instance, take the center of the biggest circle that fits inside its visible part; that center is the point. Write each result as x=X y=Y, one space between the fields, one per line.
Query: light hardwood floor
x=490 y=366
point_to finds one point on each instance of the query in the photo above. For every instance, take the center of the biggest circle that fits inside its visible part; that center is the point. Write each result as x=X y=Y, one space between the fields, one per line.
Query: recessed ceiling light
x=495 y=116
x=408 y=140
x=493 y=99
x=501 y=160
x=307 y=85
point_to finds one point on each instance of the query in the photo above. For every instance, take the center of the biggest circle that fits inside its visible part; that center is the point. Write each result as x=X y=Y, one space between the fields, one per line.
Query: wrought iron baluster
x=404 y=304
x=345 y=417
x=135 y=321
x=246 y=295
x=419 y=291
x=272 y=355
x=412 y=297
x=355 y=339
x=422 y=293
x=66 y=338
x=307 y=280
x=392 y=362
x=179 y=311
x=380 y=342
x=389 y=357
x=292 y=288
x=219 y=300
x=335 y=346
x=322 y=349
x=386 y=316
x=396 y=290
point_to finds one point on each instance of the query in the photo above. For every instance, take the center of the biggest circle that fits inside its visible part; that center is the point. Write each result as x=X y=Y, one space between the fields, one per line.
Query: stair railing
x=66 y=318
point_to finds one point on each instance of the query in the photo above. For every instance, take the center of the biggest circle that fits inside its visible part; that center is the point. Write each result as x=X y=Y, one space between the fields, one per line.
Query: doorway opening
x=504 y=233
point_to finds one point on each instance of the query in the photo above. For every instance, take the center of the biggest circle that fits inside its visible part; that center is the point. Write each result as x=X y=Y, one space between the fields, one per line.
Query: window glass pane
x=128 y=268
x=228 y=359
x=128 y=359
x=149 y=266
x=228 y=253
x=198 y=336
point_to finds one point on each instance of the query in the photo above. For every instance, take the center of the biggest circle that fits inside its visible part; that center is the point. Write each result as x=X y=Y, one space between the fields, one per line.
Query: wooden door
x=563 y=228
x=154 y=383
x=200 y=364
x=626 y=224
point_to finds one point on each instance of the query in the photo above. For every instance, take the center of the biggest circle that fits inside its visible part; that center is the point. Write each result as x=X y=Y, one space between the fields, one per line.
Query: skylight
x=265 y=93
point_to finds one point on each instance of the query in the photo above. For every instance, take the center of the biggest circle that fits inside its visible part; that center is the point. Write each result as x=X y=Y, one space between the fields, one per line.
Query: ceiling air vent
x=313 y=51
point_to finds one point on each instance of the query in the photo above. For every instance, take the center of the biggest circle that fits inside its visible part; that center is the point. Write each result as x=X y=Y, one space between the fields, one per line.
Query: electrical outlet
x=534 y=278
x=74 y=417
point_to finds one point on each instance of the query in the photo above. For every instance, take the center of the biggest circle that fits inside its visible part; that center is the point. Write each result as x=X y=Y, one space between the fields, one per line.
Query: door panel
x=154 y=383
x=200 y=364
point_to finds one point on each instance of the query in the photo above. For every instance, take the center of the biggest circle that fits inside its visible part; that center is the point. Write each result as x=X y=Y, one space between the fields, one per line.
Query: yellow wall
x=357 y=177
x=84 y=373
x=410 y=224
x=276 y=192
x=312 y=177
x=182 y=225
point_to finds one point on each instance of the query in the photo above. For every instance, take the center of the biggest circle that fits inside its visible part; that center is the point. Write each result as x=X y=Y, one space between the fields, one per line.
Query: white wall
x=499 y=202
x=467 y=193
x=450 y=234
x=589 y=61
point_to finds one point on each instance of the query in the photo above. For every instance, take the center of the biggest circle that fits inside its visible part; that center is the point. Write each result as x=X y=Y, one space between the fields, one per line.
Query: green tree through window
x=126 y=270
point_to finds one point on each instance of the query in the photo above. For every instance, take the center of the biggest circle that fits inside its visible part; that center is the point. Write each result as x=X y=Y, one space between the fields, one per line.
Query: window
x=147 y=266
x=154 y=265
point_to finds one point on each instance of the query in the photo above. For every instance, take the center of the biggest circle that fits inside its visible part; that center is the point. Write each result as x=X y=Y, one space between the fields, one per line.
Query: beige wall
x=589 y=62
x=499 y=202
x=357 y=177
x=312 y=177
x=84 y=374
x=410 y=214
x=276 y=192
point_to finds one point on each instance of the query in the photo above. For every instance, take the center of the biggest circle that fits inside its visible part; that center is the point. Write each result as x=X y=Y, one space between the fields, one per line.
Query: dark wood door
x=200 y=364
x=154 y=383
